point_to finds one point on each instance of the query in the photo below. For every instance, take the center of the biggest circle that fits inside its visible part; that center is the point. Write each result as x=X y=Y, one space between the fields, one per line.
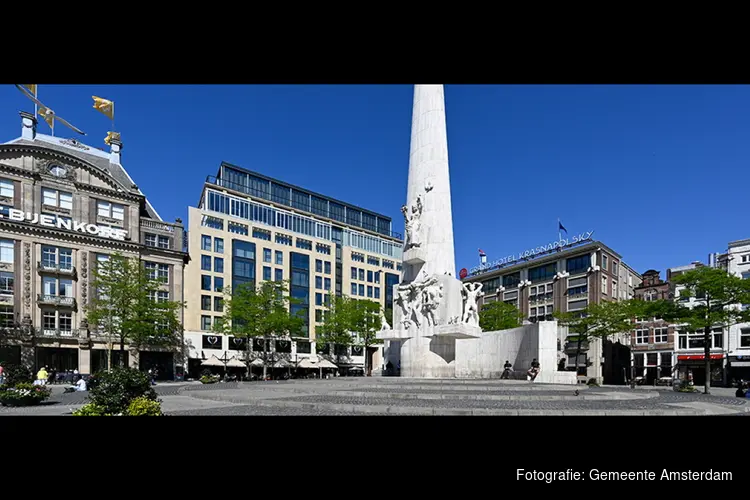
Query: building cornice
x=111 y=193
x=303 y=213
x=70 y=236
x=164 y=252
x=35 y=231
x=20 y=172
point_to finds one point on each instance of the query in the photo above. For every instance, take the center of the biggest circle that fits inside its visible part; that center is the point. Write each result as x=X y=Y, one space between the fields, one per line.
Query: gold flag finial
x=48 y=115
x=111 y=136
x=104 y=106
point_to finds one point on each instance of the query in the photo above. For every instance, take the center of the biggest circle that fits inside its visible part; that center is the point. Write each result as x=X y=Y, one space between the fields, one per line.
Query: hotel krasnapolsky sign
x=532 y=253
x=68 y=224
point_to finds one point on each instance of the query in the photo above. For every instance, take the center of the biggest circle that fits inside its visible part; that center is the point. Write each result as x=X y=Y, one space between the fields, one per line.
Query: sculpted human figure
x=413 y=223
x=472 y=291
x=431 y=295
x=384 y=325
x=406 y=297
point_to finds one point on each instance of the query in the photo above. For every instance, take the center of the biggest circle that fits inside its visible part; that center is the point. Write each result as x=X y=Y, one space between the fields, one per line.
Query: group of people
x=531 y=373
x=76 y=383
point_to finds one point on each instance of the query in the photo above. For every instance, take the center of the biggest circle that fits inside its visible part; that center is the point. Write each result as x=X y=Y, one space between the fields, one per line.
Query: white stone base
x=458 y=331
x=415 y=256
x=394 y=334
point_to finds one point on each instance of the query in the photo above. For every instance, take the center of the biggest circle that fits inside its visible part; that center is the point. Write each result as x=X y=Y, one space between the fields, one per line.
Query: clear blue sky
x=658 y=172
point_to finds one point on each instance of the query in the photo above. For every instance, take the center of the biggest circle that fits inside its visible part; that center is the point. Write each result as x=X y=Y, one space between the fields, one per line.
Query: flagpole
x=559 y=231
x=113 y=117
x=36 y=96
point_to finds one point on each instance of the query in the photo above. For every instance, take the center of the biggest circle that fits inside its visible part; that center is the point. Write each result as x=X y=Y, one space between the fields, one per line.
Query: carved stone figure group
x=419 y=300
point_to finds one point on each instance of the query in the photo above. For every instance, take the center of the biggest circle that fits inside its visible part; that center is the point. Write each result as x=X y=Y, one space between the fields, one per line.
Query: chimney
x=712 y=259
x=28 y=129
x=114 y=155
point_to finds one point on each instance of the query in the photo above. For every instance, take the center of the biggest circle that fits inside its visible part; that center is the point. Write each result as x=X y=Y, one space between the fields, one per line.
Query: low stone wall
x=484 y=357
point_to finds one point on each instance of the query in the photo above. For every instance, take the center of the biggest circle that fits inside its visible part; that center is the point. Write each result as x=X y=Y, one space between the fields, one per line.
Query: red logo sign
x=463 y=273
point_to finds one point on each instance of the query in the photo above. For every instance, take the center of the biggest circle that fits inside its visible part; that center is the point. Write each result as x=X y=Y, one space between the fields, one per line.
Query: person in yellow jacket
x=42 y=376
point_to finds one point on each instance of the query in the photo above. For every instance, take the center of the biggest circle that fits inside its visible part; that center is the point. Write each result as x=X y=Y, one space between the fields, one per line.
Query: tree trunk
x=265 y=357
x=707 y=351
x=109 y=357
x=578 y=354
x=367 y=367
x=247 y=356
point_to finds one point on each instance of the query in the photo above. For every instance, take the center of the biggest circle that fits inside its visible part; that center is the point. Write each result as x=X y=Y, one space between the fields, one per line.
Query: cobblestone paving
x=249 y=410
x=498 y=392
x=669 y=396
x=502 y=405
x=343 y=396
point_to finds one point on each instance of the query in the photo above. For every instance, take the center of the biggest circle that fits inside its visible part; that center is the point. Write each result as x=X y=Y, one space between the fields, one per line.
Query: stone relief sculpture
x=432 y=293
x=413 y=223
x=27 y=275
x=472 y=291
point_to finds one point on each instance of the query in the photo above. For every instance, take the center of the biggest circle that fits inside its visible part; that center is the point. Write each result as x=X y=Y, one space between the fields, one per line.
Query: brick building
x=652 y=341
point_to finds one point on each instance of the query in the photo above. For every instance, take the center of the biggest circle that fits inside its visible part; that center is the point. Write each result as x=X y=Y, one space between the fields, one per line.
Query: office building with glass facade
x=249 y=228
x=64 y=207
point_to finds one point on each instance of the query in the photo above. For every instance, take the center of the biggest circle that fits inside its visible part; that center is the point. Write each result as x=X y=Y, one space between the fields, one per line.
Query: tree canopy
x=348 y=321
x=259 y=311
x=719 y=300
x=498 y=315
x=126 y=306
x=600 y=320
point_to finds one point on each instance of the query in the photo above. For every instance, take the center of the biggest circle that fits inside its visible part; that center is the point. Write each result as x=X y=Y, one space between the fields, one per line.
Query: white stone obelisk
x=429 y=178
x=428 y=313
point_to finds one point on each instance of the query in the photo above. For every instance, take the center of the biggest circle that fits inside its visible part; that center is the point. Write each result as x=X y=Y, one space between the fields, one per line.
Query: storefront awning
x=235 y=363
x=698 y=357
x=212 y=361
x=315 y=362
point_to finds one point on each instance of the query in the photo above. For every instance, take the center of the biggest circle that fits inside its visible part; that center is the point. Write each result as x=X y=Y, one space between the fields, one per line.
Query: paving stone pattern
x=389 y=396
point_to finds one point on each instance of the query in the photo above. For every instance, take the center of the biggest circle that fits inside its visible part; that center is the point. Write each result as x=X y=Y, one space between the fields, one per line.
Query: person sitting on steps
x=507 y=370
x=533 y=371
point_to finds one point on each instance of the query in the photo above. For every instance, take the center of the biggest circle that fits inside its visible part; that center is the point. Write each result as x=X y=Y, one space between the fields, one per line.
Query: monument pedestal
x=415 y=256
x=458 y=331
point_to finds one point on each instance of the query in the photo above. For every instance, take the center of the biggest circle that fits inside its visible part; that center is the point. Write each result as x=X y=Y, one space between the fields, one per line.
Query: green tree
x=599 y=321
x=348 y=321
x=365 y=325
x=718 y=304
x=124 y=307
x=497 y=315
x=337 y=321
x=261 y=311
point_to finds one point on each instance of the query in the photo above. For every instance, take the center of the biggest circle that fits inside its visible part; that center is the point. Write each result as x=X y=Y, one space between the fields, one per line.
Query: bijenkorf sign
x=533 y=252
x=60 y=223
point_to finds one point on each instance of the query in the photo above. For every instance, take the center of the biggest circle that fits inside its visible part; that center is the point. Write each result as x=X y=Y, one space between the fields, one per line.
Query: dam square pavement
x=408 y=396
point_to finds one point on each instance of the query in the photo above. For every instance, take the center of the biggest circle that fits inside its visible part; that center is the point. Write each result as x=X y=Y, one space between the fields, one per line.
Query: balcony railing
x=165 y=227
x=56 y=300
x=58 y=332
x=54 y=267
